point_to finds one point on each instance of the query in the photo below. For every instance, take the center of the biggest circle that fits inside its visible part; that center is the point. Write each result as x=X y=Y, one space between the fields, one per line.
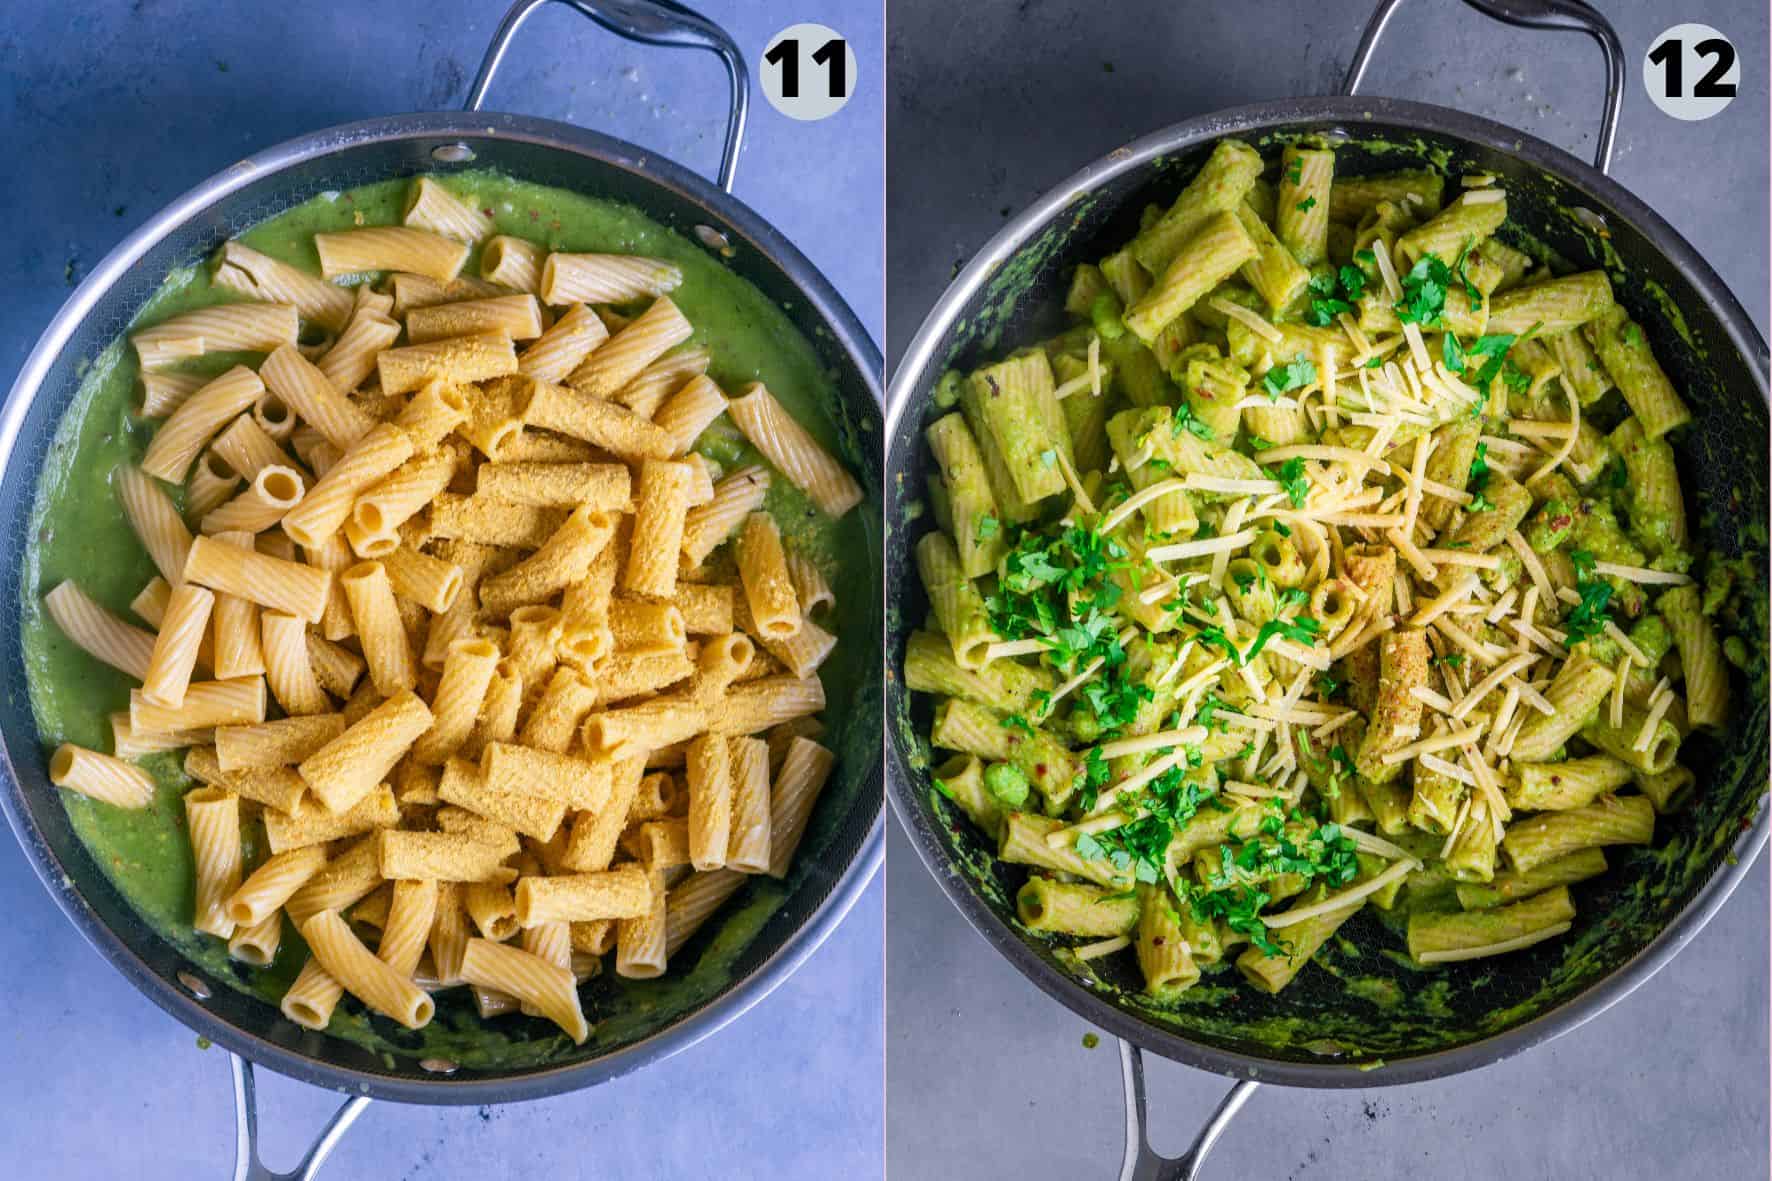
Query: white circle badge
x=808 y=72
x=1691 y=72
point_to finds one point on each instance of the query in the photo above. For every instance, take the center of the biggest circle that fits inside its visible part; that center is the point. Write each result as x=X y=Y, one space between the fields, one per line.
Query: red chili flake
x=1204 y=393
x=1157 y=941
x=487 y=211
x=534 y=215
x=1039 y=770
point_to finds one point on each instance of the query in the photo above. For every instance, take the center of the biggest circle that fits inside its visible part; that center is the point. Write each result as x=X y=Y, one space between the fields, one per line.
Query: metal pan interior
x=1365 y=1017
x=766 y=930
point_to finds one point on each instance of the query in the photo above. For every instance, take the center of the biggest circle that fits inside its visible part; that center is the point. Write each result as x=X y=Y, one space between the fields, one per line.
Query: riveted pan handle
x=1527 y=14
x=653 y=22
x=247 y=1166
x=1141 y=1162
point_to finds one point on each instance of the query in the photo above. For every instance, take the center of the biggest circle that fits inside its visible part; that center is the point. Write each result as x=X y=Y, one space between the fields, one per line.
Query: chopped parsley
x=1471 y=293
x=1293 y=375
x=1235 y=895
x=1169 y=802
x=1327 y=301
x=1452 y=353
x=1479 y=480
x=1306 y=205
x=1302 y=631
x=1059 y=587
x=1424 y=293
x=1588 y=617
x=1193 y=424
x=1296 y=483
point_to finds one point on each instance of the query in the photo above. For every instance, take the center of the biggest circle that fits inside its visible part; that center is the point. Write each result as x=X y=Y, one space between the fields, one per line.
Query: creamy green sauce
x=78 y=531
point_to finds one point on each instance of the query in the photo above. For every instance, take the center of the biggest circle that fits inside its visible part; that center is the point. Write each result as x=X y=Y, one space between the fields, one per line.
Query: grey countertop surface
x=992 y=104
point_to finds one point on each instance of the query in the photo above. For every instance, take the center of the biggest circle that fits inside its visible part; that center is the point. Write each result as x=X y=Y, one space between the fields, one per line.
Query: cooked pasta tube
x=661 y=508
x=564 y=346
x=590 y=417
x=98 y=632
x=430 y=206
x=346 y=769
x=223 y=328
x=316 y=401
x=512 y=262
x=198 y=419
x=212 y=817
x=515 y=316
x=389 y=248
x=385 y=646
x=281 y=743
x=272 y=583
x=101 y=777
x=793 y=450
x=797 y=786
x=328 y=503
x=603 y=486
x=605 y=278
x=311 y=823
x=266 y=500
x=272 y=884
x=459 y=359
x=548 y=988
x=369 y=979
x=621 y=893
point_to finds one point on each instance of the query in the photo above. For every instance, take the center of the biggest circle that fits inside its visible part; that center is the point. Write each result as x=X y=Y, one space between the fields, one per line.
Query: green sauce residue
x=80 y=532
x=1406 y=1009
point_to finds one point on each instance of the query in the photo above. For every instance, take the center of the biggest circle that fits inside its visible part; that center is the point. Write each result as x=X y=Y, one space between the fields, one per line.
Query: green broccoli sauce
x=78 y=531
x=1406 y=1008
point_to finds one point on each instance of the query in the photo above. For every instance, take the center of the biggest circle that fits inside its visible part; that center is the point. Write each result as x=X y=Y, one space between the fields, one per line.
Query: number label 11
x=808 y=72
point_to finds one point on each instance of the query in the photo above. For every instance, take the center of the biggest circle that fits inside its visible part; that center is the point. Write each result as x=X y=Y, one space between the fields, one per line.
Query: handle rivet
x=197 y=987
x=713 y=239
x=452 y=153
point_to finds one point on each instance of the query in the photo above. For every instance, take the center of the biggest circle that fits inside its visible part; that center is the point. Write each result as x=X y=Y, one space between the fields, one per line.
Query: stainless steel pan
x=1635 y=919
x=843 y=846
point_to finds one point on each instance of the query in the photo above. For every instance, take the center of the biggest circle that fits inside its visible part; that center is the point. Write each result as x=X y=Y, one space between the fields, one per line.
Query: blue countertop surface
x=109 y=111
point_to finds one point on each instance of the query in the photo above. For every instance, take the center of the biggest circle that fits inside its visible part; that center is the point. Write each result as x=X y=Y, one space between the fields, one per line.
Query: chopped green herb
x=1452 y=353
x=1293 y=375
x=1296 y=483
x=1306 y=205
x=1187 y=420
x=1479 y=480
x=1424 y=293
x=987 y=527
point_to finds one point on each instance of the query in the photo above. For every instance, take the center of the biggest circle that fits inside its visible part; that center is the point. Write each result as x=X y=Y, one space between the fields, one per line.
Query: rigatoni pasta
x=454 y=560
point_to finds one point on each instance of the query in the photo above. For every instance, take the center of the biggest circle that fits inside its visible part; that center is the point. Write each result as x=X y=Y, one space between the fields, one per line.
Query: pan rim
x=518 y=1085
x=922 y=351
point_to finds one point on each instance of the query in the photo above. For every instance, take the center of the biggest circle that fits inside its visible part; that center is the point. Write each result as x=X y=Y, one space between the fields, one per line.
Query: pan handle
x=1141 y=1162
x=653 y=22
x=1526 y=14
x=247 y=1166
